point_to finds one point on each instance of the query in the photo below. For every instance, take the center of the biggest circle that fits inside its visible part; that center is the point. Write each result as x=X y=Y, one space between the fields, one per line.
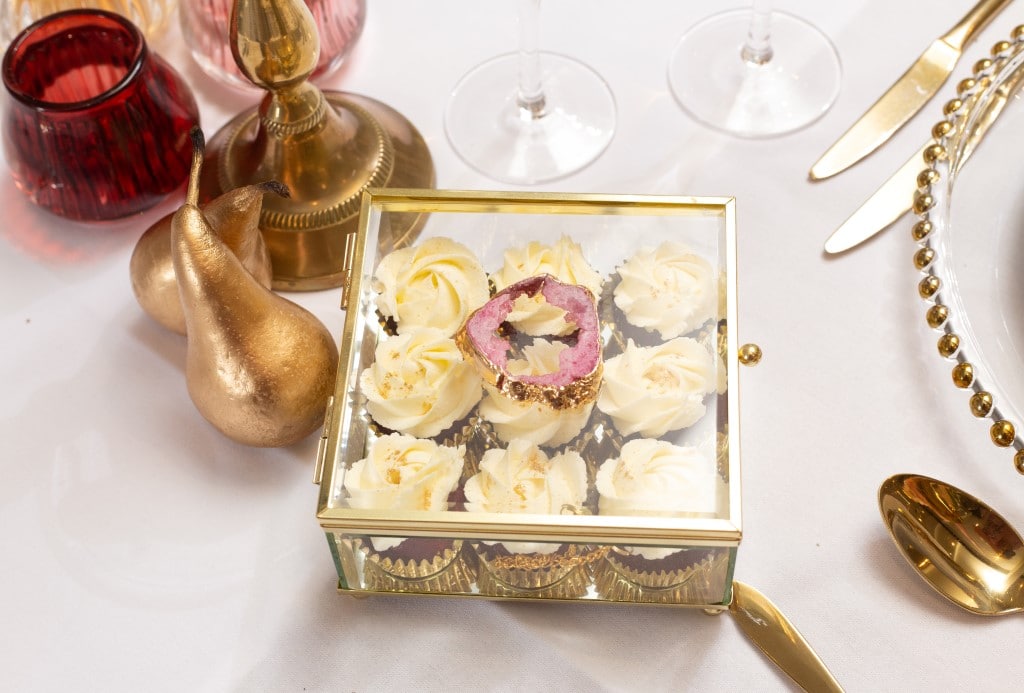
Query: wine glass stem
x=530 y=94
x=758 y=48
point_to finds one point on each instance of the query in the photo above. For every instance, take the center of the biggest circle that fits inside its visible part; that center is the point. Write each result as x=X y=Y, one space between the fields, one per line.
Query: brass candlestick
x=326 y=146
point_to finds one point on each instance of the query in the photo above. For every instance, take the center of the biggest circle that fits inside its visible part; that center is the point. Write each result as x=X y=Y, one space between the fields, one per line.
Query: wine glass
x=531 y=116
x=755 y=72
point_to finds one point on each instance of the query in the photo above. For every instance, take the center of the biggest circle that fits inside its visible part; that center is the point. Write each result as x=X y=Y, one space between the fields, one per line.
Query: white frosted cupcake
x=655 y=477
x=419 y=383
x=564 y=261
x=653 y=390
x=535 y=422
x=405 y=473
x=668 y=289
x=523 y=479
x=436 y=283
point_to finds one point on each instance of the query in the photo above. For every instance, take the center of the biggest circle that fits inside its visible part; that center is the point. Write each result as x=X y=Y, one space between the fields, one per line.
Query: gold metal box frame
x=342 y=523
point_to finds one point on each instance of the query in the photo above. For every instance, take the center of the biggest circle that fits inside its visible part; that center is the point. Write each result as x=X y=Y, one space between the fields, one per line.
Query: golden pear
x=235 y=217
x=258 y=367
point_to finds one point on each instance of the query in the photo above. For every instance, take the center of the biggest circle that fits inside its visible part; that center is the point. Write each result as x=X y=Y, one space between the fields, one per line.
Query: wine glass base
x=714 y=83
x=489 y=130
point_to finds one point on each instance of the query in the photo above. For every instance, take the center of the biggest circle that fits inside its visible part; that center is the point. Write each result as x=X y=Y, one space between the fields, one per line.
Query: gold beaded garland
x=982 y=65
x=928 y=286
x=927 y=177
x=923 y=258
x=937 y=315
x=941 y=129
x=933 y=153
x=963 y=375
x=981 y=404
x=948 y=345
x=923 y=202
x=1000 y=47
x=1003 y=433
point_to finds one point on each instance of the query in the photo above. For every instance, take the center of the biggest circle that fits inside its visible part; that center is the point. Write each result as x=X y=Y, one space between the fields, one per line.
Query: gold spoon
x=965 y=550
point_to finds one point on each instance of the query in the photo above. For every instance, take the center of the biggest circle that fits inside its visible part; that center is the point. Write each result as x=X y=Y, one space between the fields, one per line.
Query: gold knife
x=895 y=197
x=908 y=95
x=763 y=623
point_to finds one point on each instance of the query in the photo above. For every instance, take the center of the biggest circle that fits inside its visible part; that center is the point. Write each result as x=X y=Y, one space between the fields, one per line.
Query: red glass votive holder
x=96 y=126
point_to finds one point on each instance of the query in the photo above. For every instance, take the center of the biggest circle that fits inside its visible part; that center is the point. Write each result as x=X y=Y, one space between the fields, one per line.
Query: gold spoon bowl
x=965 y=550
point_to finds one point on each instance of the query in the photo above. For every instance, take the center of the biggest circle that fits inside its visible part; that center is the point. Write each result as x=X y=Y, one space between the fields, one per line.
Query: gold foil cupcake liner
x=478 y=436
x=561 y=575
x=448 y=572
x=697 y=584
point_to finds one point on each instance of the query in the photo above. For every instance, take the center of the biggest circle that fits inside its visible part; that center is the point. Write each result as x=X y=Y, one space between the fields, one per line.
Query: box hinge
x=321 y=448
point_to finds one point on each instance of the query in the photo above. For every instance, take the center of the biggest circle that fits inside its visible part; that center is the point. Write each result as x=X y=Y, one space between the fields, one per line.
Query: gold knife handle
x=974 y=21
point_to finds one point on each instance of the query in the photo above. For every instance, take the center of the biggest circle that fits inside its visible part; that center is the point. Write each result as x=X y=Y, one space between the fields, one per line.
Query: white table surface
x=143 y=551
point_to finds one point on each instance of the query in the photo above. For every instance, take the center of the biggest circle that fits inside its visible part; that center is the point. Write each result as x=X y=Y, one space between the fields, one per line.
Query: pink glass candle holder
x=205 y=26
x=96 y=126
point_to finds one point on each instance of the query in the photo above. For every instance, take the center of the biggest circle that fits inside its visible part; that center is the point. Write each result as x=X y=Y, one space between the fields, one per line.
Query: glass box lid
x=538 y=367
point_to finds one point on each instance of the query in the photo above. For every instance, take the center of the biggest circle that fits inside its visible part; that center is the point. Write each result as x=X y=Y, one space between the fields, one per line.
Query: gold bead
x=1001 y=47
x=982 y=65
x=1018 y=32
x=963 y=375
x=750 y=354
x=921 y=230
x=928 y=286
x=1003 y=433
x=933 y=153
x=952 y=106
x=927 y=177
x=1018 y=461
x=981 y=404
x=923 y=258
x=923 y=202
x=965 y=85
x=948 y=344
x=937 y=316
x=941 y=129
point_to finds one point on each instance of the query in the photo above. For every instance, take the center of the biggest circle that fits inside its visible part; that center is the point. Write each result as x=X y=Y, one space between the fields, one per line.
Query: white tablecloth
x=143 y=551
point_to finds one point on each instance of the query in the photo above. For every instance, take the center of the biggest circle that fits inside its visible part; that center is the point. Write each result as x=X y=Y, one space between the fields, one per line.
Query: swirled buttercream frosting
x=523 y=479
x=655 y=477
x=668 y=289
x=536 y=422
x=419 y=383
x=436 y=283
x=401 y=472
x=653 y=390
x=564 y=261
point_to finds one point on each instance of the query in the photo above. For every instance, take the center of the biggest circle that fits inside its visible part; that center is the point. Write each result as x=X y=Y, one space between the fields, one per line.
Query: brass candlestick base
x=327 y=147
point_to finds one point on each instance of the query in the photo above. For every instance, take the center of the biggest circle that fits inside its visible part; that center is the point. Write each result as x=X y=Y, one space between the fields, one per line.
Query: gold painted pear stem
x=234 y=216
x=258 y=367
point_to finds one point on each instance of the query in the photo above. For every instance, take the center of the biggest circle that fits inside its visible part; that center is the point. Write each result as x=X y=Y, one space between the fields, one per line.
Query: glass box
x=565 y=470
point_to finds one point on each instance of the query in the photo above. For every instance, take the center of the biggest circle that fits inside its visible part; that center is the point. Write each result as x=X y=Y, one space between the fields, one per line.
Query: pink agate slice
x=575 y=363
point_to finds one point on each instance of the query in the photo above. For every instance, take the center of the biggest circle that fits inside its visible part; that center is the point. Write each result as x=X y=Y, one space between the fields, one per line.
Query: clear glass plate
x=978 y=244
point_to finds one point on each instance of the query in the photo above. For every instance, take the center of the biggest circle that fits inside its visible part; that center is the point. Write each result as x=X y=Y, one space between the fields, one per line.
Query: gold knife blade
x=766 y=626
x=907 y=95
x=895 y=197
x=886 y=205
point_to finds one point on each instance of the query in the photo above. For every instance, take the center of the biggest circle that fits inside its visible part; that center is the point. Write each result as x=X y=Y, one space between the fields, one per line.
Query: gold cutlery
x=964 y=549
x=895 y=197
x=907 y=95
x=766 y=626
